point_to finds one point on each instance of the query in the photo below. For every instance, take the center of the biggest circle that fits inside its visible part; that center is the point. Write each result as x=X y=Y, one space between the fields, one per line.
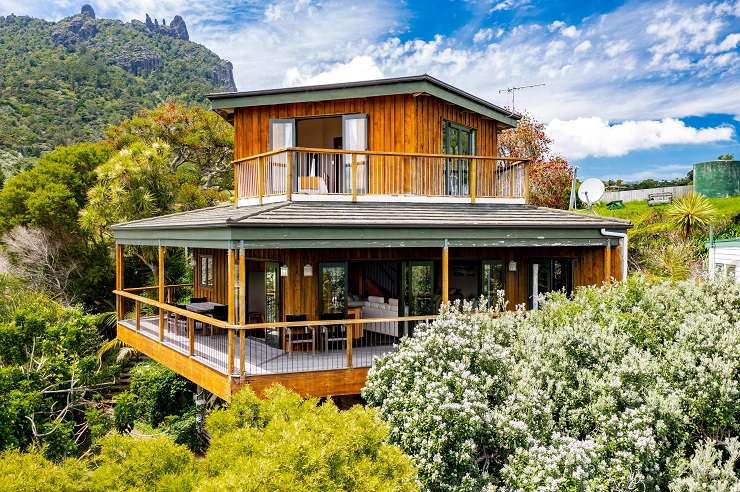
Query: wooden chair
x=175 y=323
x=334 y=333
x=298 y=337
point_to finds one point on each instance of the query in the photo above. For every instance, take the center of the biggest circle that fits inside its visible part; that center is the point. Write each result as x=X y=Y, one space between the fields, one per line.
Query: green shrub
x=32 y=472
x=287 y=443
x=125 y=411
x=614 y=389
x=159 y=392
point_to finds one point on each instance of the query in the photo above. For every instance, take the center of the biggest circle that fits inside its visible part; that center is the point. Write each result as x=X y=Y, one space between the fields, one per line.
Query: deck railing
x=265 y=348
x=309 y=171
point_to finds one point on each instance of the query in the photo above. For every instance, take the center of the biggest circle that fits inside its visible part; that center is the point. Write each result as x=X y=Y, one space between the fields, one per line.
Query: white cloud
x=596 y=137
x=483 y=35
x=664 y=171
x=617 y=48
x=358 y=68
x=729 y=43
x=509 y=5
x=582 y=47
x=564 y=29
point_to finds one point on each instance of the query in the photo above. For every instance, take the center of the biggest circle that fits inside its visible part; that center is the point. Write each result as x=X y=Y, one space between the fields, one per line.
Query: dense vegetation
x=55 y=216
x=630 y=386
x=51 y=381
x=64 y=82
x=661 y=244
x=281 y=443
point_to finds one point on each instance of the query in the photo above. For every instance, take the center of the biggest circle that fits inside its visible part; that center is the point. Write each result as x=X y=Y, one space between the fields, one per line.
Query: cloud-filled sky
x=632 y=90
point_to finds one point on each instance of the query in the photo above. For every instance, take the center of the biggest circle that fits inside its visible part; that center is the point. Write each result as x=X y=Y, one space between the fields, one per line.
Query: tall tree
x=550 y=176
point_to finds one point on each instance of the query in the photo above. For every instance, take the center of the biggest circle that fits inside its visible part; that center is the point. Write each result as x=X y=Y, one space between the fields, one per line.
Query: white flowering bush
x=622 y=387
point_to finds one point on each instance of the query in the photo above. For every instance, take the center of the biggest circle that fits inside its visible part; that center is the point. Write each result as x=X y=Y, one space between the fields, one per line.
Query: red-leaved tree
x=550 y=176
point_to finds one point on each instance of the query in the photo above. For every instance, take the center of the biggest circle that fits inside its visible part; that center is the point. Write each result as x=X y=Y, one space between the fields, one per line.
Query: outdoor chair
x=334 y=334
x=298 y=337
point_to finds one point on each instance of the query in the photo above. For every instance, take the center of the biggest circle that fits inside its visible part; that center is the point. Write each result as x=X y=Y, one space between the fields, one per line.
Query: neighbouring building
x=724 y=258
x=359 y=208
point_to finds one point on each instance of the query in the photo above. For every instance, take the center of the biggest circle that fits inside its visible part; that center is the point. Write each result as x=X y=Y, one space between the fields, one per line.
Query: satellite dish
x=591 y=191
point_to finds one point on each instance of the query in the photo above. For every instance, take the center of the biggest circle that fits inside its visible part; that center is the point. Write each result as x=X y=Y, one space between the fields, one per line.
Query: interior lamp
x=307 y=270
x=284 y=271
x=512 y=266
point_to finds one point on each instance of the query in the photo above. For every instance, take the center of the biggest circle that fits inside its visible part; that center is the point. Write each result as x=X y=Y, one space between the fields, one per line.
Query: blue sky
x=633 y=89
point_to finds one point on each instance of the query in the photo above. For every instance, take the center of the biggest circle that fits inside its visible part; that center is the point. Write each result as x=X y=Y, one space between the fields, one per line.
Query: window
x=493 y=277
x=333 y=288
x=457 y=140
x=206 y=271
x=547 y=275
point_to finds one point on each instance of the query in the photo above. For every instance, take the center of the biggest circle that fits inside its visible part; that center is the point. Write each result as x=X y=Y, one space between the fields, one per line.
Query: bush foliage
x=631 y=386
x=281 y=443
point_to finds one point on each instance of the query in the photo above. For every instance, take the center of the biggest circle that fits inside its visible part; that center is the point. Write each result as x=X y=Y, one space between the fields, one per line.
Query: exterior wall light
x=512 y=266
x=307 y=271
x=284 y=271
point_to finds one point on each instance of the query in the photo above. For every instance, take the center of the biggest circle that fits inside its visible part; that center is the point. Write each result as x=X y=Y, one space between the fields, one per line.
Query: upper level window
x=206 y=271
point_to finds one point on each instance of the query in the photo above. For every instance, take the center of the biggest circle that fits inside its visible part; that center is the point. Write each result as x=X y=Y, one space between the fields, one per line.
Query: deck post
x=160 y=274
x=473 y=180
x=289 y=177
x=236 y=185
x=512 y=181
x=350 y=336
x=191 y=337
x=525 y=177
x=231 y=310
x=119 y=280
x=608 y=261
x=354 y=177
x=260 y=184
x=445 y=273
x=137 y=309
x=243 y=306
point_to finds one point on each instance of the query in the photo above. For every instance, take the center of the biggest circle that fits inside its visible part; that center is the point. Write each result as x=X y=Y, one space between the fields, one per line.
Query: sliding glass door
x=272 y=302
x=457 y=140
x=354 y=137
x=547 y=275
x=333 y=288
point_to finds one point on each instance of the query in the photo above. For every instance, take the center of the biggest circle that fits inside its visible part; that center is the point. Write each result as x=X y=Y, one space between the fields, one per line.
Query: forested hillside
x=64 y=82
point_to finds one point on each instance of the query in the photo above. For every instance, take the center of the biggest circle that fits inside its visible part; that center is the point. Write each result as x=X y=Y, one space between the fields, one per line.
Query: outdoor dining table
x=200 y=308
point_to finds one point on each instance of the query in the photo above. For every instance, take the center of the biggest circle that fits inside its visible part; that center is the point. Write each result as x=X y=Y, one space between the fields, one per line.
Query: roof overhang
x=360 y=237
x=225 y=103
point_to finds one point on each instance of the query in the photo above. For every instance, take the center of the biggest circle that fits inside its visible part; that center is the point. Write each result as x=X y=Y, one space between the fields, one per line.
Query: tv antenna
x=512 y=91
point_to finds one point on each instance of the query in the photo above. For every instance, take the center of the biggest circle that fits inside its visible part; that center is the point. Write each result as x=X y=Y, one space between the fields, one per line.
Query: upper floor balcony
x=303 y=173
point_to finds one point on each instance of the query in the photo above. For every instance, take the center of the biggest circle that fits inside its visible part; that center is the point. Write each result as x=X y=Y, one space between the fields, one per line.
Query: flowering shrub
x=629 y=386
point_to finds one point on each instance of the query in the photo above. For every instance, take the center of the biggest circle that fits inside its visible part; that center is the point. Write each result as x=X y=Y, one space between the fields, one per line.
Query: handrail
x=152 y=287
x=377 y=153
x=256 y=326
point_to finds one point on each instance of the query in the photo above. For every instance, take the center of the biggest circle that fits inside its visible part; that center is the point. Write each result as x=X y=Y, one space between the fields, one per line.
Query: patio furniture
x=298 y=337
x=204 y=307
x=175 y=323
x=333 y=333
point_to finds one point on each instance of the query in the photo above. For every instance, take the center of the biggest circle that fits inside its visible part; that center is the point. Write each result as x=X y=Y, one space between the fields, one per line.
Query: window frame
x=205 y=267
x=570 y=280
x=331 y=264
x=483 y=286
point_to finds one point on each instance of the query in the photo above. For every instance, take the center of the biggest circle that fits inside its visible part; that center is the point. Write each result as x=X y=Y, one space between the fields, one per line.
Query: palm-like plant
x=690 y=212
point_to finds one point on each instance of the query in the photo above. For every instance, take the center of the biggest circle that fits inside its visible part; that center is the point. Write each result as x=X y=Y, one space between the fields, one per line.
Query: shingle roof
x=406 y=215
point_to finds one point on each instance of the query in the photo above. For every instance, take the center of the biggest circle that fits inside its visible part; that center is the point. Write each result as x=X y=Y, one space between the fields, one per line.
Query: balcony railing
x=261 y=349
x=306 y=172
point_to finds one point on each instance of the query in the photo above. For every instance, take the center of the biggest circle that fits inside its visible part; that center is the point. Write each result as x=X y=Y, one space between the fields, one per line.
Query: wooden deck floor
x=260 y=358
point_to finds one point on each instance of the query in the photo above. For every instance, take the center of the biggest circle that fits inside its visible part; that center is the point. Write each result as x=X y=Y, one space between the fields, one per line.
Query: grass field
x=727 y=208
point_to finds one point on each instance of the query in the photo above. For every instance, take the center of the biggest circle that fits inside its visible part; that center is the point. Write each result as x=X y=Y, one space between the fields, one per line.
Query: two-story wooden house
x=358 y=210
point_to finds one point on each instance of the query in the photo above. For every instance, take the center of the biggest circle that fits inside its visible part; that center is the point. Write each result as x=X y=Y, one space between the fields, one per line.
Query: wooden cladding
x=401 y=123
x=218 y=291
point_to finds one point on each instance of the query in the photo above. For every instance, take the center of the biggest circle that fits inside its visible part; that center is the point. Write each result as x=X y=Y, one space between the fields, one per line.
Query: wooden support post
x=608 y=261
x=120 y=311
x=260 y=184
x=137 y=309
x=231 y=288
x=230 y=361
x=191 y=337
x=160 y=272
x=525 y=177
x=243 y=307
x=473 y=181
x=242 y=352
x=512 y=181
x=289 y=177
x=445 y=273
x=350 y=331
x=354 y=177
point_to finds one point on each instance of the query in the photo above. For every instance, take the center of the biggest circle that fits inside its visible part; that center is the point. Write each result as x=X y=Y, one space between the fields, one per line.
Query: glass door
x=547 y=275
x=354 y=137
x=333 y=288
x=282 y=136
x=457 y=140
x=493 y=276
x=417 y=288
x=272 y=302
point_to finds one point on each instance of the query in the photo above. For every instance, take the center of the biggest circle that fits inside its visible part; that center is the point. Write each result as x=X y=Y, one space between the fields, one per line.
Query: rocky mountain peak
x=87 y=11
x=176 y=29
